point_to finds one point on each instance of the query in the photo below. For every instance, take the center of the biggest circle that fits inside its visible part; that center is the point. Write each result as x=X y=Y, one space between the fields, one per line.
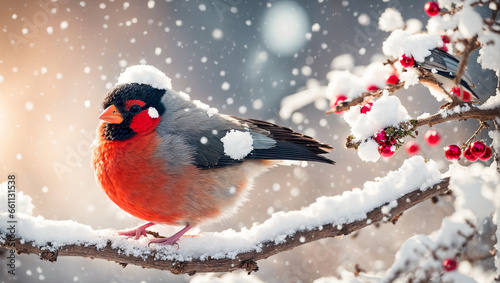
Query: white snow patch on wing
x=390 y=20
x=184 y=96
x=153 y=113
x=209 y=110
x=145 y=74
x=237 y=144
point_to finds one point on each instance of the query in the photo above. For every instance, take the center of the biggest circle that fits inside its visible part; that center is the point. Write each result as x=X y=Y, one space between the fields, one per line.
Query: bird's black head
x=131 y=109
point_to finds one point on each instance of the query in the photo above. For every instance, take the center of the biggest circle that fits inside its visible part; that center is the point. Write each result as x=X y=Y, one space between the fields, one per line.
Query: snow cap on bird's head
x=145 y=74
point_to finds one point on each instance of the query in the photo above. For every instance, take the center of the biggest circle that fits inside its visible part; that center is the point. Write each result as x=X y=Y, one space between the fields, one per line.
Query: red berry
x=452 y=152
x=407 y=61
x=392 y=79
x=445 y=38
x=449 y=264
x=466 y=96
x=463 y=94
x=456 y=91
x=393 y=141
x=469 y=156
x=477 y=148
x=372 y=88
x=385 y=150
x=432 y=8
x=487 y=154
x=366 y=107
x=432 y=137
x=339 y=99
x=380 y=137
x=412 y=147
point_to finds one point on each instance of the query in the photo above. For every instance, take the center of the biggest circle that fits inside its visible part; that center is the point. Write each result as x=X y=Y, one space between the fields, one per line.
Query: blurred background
x=58 y=60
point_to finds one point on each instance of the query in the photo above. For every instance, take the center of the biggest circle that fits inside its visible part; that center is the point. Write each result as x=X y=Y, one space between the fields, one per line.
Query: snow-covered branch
x=480 y=114
x=382 y=200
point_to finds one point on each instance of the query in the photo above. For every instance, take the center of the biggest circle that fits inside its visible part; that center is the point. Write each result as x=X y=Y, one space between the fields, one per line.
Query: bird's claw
x=136 y=232
x=164 y=241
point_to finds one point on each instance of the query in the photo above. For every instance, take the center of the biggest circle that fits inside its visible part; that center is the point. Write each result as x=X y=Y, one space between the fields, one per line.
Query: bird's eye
x=134 y=109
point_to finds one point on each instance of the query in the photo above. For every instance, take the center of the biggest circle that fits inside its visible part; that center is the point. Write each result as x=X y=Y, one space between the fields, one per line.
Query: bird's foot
x=136 y=232
x=172 y=240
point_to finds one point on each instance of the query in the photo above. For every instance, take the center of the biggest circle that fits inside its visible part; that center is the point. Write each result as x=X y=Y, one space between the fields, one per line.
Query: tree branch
x=481 y=115
x=243 y=260
x=475 y=113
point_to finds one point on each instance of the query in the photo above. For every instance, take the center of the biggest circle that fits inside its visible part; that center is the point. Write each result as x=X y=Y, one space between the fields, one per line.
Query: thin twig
x=481 y=126
x=471 y=45
x=345 y=105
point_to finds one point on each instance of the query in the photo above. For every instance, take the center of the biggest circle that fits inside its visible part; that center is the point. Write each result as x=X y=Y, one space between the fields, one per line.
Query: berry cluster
x=386 y=144
x=476 y=150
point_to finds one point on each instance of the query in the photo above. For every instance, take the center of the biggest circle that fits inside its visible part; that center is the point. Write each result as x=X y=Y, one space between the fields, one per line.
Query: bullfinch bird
x=168 y=160
x=444 y=66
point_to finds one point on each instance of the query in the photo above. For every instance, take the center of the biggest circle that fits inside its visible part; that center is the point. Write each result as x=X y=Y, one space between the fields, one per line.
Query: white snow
x=153 y=113
x=295 y=101
x=345 y=83
x=145 y=74
x=410 y=77
x=489 y=56
x=413 y=25
x=368 y=151
x=353 y=84
x=210 y=110
x=366 y=125
x=417 y=45
x=470 y=22
x=343 y=62
x=438 y=24
x=414 y=174
x=237 y=144
x=390 y=20
x=474 y=187
x=492 y=102
x=235 y=277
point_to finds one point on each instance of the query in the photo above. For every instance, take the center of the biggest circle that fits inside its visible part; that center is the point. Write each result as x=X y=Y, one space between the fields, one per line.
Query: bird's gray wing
x=201 y=131
x=270 y=142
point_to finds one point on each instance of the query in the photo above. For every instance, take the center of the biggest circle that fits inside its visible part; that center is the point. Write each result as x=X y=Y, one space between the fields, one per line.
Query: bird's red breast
x=136 y=179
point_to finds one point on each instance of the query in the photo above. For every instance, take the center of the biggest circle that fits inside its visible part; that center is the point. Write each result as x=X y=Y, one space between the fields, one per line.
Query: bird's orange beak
x=111 y=115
